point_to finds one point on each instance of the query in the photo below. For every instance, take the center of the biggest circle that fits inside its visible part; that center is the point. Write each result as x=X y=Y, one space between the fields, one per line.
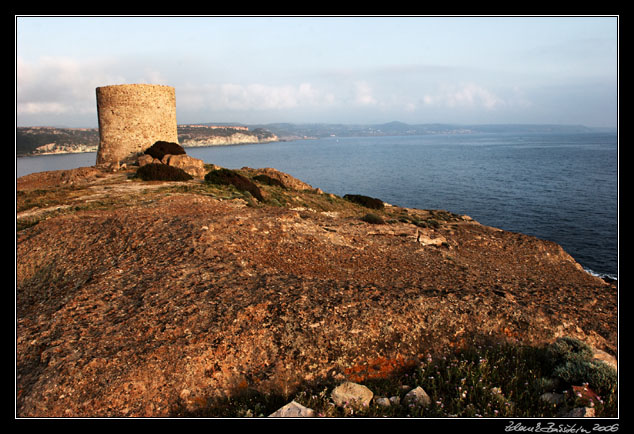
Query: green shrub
x=429 y=223
x=600 y=376
x=572 y=361
x=373 y=219
x=366 y=201
x=162 y=172
x=566 y=349
x=231 y=177
x=159 y=149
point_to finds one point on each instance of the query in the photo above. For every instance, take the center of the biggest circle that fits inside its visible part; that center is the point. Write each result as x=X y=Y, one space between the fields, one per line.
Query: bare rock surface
x=123 y=307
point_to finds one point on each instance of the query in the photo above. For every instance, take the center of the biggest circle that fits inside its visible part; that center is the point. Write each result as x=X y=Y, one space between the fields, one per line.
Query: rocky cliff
x=233 y=139
x=134 y=298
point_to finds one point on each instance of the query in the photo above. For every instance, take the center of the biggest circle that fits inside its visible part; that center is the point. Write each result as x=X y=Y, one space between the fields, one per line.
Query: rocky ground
x=134 y=298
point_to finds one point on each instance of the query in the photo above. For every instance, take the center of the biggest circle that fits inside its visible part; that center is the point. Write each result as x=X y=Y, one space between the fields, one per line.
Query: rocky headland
x=137 y=298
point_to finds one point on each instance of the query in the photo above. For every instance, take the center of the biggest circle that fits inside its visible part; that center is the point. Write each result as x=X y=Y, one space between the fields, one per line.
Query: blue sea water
x=558 y=187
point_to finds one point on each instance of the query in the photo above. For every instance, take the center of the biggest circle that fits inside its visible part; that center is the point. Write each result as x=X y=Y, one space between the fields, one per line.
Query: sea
x=557 y=187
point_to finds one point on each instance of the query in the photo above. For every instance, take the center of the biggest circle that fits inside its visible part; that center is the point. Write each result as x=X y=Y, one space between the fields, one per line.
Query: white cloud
x=58 y=85
x=62 y=90
x=467 y=95
x=363 y=94
x=253 y=96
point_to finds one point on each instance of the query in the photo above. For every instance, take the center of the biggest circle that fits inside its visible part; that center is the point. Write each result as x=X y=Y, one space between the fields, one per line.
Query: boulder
x=417 y=396
x=383 y=402
x=602 y=356
x=395 y=400
x=194 y=166
x=144 y=159
x=351 y=394
x=293 y=409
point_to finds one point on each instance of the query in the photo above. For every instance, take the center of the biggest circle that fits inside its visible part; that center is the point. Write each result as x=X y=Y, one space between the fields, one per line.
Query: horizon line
x=229 y=124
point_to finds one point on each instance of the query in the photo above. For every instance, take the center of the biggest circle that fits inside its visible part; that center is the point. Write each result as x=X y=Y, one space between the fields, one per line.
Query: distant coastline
x=32 y=141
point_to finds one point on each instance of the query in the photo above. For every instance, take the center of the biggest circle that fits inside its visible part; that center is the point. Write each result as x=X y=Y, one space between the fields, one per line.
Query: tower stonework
x=132 y=117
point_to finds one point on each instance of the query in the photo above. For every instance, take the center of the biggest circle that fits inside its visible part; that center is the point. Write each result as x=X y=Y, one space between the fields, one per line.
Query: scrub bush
x=231 y=177
x=267 y=180
x=160 y=149
x=162 y=172
x=366 y=201
x=373 y=219
x=572 y=361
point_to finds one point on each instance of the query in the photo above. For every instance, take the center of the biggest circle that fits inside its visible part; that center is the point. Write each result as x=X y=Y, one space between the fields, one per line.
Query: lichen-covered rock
x=284 y=179
x=122 y=308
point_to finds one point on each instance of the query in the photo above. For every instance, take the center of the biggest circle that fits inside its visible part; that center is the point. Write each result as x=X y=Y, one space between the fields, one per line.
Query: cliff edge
x=135 y=297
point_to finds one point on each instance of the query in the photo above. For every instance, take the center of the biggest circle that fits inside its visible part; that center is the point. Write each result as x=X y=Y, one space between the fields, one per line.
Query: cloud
x=62 y=90
x=61 y=85
x=363 y=94
x=467 y=95
x=253 y=96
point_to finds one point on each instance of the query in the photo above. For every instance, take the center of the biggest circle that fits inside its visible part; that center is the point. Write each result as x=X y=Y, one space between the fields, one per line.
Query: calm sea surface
x=562 y=188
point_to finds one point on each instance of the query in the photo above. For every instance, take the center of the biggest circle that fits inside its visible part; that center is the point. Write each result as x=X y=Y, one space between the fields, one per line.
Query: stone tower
x=132 y=117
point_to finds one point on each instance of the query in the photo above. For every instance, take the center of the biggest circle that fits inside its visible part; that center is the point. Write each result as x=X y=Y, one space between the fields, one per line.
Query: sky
x=325 y=69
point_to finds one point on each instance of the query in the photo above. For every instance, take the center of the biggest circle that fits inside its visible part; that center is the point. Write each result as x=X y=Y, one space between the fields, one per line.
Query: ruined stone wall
x=132 y=117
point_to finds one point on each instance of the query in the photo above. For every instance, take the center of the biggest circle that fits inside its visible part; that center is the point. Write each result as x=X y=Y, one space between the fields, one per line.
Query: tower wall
x=132 y=117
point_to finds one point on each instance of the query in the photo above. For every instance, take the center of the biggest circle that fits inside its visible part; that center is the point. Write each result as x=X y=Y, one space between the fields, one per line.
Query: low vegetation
x=373 y=219
x=231 y=177
x=267 y=180
x=571 y=361
x=366 y=201
x=495 y=380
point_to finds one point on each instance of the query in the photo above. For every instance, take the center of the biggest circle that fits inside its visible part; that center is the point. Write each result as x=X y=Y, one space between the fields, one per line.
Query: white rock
x=352 y=394
x=417 y=396
x=395 y=400
x=383 y=402
x=293 y=409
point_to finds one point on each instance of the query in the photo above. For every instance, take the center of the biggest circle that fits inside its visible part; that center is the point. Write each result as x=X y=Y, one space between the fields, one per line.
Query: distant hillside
x=52 y=140
x=28 y=139
x=298 y=131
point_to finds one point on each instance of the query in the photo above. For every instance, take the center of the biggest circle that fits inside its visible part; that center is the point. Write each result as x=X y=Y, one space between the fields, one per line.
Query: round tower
x=132 y=117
